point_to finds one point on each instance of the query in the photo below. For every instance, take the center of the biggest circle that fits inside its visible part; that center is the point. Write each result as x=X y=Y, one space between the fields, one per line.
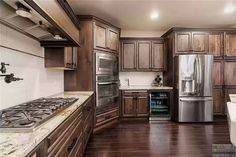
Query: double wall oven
x=107 y=80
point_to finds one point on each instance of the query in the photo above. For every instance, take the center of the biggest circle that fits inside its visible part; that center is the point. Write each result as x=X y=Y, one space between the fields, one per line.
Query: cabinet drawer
x=88 y=109
x=61 y=138
x=105 y=117
x=135 y=93
x=77 y=151
x=66 y=143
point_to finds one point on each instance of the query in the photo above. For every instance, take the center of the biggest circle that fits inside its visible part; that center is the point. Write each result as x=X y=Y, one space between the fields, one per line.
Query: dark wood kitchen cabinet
x=230 y=44
x=218 y=101
x=135 y=104
x=217 y=73
x=142 y=54
x=191 y=42
x=113 y=40
x=142 y=105
x=61 y=57
x=182 y=42
x=128 y=55
x=230 y=73
x=158 y=58
x=105 y=38
x=129 y=106
x=100 y=35
x=216 y=44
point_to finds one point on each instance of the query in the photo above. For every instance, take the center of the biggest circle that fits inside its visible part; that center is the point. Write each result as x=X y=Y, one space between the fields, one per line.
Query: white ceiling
x=135 y=14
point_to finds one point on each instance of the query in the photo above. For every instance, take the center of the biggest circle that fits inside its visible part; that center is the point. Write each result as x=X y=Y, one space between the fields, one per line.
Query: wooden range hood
x=50 y=19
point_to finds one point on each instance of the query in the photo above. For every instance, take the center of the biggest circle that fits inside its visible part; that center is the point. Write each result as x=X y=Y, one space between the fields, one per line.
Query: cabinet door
x=218 y=101
x=142 y=106
x=230 y=73
x=218 y=73
x=230 y=44
x=157 y=56
x=199 y=42
x=100 y=35
x=216 y=44
x=128 y=55
x=113 y=39
x=182 y=42
x=144 y=55
x=129 y=106
x=68 y=57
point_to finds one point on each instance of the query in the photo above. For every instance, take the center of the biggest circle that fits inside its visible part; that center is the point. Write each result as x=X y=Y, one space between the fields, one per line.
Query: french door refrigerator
x=195 y=88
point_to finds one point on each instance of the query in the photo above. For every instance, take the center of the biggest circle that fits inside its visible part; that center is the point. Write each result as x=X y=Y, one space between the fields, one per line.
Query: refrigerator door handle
x=199 y=75
x=196 y=99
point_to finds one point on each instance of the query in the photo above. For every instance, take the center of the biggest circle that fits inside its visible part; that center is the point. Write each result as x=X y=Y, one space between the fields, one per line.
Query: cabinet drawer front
x=61 y=130
x=88 y=108
x=103 y=118
x=135 y=93
x=77 y=150
x=67 y=142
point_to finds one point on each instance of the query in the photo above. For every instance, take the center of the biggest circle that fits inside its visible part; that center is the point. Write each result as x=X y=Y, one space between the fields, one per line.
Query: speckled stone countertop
x=140 y=87
x=21 y=144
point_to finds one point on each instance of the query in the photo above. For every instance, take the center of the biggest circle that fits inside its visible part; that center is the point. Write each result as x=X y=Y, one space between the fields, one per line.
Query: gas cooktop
x=27 y=116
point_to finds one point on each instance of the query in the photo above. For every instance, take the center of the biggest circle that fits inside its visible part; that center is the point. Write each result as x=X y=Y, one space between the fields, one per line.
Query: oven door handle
x=106 y=83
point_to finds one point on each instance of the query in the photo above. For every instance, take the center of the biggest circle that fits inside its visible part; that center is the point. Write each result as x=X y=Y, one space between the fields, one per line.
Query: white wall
x=38 y=81
x=138 y=78
x=140 y=33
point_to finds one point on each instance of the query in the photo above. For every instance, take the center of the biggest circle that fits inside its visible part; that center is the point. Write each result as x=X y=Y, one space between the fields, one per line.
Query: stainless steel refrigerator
x=195 y=88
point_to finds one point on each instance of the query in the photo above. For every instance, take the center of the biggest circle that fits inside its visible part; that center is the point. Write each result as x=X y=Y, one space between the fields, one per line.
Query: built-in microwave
x=106 y=64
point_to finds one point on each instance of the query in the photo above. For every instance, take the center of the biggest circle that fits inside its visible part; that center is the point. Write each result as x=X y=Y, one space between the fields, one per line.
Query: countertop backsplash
x=138 y=78
x=38 y=81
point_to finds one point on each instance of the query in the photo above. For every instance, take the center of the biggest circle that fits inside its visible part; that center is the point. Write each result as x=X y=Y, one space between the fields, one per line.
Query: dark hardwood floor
x=158 y=139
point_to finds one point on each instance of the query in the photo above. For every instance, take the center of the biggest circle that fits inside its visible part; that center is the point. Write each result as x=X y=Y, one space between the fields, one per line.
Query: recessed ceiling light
x=229 y=9
x=154 y=15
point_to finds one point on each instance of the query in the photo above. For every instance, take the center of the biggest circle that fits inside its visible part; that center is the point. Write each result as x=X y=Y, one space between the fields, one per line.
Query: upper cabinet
x=61 y=58
x=183 y=42
x=230 y=44
x=191 y=42
x=106 y=38
x=100 y=35
x=142 y=55
x=158 y=58
x=216 y=44
x=128 y=55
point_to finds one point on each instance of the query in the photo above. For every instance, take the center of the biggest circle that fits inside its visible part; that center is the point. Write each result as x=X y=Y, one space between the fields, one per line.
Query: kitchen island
x=25 y=144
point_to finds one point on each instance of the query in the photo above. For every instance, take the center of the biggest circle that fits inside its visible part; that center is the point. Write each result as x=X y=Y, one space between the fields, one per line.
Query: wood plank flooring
x=158 y=139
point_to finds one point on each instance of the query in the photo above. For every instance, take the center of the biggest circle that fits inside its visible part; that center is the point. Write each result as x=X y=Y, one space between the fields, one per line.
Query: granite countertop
x=21 y=144
x=142 y=87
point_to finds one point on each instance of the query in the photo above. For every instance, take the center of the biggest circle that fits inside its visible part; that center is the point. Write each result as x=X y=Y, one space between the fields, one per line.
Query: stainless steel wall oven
x=107 y=80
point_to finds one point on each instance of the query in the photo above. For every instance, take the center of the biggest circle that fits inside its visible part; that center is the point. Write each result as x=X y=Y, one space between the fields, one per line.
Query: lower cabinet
x=135 y=104
x=70 y=138
x=105 y=119
x=218 y=101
